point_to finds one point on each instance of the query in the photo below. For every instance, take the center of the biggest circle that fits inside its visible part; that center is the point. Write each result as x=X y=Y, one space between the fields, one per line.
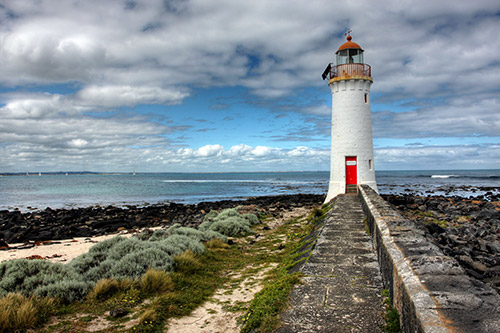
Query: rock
x=118 y=312
x=473 y=235
x=493 y=247
x=3 y=244
x=433 y=228
x=479 y=267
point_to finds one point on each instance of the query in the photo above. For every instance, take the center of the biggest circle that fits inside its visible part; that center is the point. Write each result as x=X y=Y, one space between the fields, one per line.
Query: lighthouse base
x=336 y=188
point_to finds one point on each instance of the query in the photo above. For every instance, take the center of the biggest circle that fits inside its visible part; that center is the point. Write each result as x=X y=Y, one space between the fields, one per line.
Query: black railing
x=348 y=70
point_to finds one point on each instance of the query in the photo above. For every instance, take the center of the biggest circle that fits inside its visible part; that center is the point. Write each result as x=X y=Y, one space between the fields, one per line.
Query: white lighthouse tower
x=352 y=142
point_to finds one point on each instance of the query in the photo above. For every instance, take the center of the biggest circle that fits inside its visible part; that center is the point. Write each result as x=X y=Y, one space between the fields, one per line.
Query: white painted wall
x=351 y=133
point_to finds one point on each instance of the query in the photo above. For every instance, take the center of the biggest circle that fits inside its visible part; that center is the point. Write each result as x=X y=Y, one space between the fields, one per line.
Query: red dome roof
x=349 y=45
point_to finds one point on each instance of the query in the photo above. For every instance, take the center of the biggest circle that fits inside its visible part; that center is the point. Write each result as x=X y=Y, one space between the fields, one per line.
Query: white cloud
x=37 y=106
x=115 y=96
x=78 y=143
x=209 y=151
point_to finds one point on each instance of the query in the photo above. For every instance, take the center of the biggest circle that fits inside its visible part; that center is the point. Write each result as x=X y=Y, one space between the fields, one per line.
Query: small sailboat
x=39 y=174
x=133 y=173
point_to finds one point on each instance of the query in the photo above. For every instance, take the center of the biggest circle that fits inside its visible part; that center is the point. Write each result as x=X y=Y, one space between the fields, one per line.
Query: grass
x=19 y=312
x=104 y=289
x=392 y=324
x=267 y=304
x=155 y=281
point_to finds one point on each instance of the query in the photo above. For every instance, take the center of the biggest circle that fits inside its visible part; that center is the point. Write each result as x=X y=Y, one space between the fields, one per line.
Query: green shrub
x=123 y=248
x=135 y=264
x=24 y=276
x=87 y=261
x=158 y=235
x=173 y=227
x=210 y=216
x=104 y=246
x=252 y=218
x=229 y=222
x=232 y=226
x=201 y=236
x=66 y=291
x=101 y=271
x=181 y=243
x=144 y=235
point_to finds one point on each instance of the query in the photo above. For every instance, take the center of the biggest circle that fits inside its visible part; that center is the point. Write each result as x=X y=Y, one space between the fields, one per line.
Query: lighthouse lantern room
x=352 y=141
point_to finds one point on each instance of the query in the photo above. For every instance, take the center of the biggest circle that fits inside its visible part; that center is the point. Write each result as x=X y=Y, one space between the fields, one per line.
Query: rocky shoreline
x=56 y=224
x=465 y=229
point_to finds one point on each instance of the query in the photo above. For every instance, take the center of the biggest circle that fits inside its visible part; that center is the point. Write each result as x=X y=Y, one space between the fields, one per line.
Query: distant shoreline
x=55 y=173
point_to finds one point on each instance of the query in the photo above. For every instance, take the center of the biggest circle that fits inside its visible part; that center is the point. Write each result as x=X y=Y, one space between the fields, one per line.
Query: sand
x=62 y=251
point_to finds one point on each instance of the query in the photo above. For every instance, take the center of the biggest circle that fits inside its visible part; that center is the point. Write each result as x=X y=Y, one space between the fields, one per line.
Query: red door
x=351 y=170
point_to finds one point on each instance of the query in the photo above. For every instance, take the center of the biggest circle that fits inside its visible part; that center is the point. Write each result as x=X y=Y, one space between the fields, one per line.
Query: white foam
x=444 y=176
x=214 y=181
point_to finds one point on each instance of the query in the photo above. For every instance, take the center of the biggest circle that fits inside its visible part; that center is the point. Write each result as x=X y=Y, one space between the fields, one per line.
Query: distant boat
x=27 y=173
x=39 y=174
x=66 y=174
x=133 y=173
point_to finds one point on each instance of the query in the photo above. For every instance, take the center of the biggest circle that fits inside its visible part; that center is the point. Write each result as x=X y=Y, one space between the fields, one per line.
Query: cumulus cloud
x=115 y=96
x=37 y=106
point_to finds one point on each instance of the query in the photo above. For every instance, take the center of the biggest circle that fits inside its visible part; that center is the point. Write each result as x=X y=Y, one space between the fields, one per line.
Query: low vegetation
x=428 y=217
x=138 y=284
x=392 y=324
x=18 y=312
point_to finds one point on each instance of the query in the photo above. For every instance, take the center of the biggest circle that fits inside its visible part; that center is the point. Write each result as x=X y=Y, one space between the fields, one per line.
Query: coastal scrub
x=119 y=259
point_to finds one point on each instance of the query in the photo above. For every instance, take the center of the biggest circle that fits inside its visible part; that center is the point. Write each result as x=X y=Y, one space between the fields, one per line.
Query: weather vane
x=348 y=32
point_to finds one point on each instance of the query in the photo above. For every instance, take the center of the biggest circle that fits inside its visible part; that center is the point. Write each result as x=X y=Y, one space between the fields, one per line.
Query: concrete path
x=342 y=283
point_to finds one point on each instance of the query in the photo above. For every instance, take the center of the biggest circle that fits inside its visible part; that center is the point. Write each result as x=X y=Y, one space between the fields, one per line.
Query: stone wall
x=430 y=290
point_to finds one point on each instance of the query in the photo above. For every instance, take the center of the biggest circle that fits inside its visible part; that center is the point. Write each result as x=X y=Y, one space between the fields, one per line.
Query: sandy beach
x=62 y=251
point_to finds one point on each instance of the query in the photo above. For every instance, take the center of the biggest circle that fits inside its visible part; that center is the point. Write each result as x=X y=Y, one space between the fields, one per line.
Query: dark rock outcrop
x=54 y=224
x=465 y=229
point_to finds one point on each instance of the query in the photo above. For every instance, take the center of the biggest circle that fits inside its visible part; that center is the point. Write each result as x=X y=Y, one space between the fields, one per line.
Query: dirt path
x=222 y=312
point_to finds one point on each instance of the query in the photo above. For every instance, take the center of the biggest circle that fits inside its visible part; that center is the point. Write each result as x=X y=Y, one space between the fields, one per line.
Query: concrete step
x=351 y=189
x=342 y=282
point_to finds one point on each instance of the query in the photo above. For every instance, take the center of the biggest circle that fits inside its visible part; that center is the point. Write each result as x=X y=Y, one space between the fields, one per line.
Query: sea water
x=80 y=190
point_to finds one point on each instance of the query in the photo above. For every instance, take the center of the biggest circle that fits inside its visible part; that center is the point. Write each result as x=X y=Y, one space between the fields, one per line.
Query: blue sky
x=197 y=85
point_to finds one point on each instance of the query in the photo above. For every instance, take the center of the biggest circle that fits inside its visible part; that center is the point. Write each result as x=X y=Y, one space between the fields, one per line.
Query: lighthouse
x=352 y=141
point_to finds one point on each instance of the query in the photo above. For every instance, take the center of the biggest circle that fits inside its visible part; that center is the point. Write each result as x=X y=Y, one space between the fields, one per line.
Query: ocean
x=79 y=190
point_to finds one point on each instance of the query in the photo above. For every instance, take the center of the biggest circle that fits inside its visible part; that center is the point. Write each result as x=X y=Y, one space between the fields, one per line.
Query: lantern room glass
x=349 y=56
